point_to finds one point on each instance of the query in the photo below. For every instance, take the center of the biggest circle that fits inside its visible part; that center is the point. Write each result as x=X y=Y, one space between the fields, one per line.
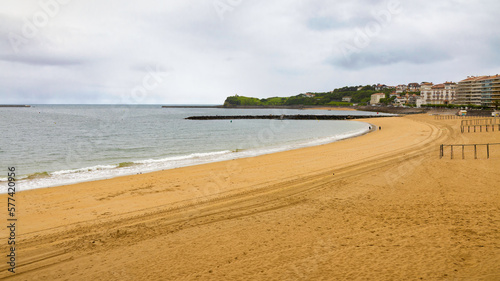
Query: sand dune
x=382 y=206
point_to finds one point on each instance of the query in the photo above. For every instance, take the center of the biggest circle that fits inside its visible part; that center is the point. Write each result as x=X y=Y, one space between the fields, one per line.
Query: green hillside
x=326 y=98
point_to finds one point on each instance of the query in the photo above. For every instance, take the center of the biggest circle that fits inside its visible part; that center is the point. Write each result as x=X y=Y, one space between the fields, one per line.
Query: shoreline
x=269 y=150
x=378 y=206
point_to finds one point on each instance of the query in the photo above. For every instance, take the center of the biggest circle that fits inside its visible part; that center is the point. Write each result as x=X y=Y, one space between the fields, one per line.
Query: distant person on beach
x=379 y=127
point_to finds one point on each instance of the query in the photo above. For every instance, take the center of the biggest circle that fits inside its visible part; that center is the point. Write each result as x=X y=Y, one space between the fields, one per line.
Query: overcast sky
x=200 y=52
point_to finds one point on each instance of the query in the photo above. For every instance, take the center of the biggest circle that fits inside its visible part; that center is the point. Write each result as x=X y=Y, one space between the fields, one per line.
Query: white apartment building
x=479 y=90
x=438 y=94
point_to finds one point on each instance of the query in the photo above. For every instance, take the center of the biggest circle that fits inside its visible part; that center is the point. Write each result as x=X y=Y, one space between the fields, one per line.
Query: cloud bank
x=199 y=52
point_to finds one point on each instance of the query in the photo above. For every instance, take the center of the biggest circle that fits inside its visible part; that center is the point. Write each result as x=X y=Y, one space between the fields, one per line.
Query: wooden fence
x=480 y=125
x=460 y=149
x=449 y=117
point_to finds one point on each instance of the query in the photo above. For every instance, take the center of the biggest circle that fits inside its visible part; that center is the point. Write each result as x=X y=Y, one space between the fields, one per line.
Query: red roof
x=477 y=78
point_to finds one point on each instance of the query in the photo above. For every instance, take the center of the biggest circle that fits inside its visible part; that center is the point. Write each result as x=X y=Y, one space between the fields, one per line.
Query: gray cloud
x=99 y=52
x=41 y=60
x=388 y=55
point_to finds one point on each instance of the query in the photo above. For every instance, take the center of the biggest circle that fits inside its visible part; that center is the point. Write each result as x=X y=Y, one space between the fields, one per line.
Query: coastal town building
x=375 y=98
x=438 y=94
x=411 y=98
x=400 y=101
x=419 y=102
x=426 y=92
x=380 y=87
x=469 y=90
x=401 y=89
x=413 y=87
x=346 y=99
x=479 y=90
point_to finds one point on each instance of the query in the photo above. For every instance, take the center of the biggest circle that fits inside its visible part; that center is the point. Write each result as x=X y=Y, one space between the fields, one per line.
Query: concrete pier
x=14 y=105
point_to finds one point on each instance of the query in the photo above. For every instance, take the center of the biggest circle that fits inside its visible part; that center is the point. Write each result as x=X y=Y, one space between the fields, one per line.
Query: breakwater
x=192 y=106
x=287 y=117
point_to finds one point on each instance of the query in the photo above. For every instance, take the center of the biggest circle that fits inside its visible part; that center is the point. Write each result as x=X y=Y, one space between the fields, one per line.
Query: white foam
x=184 y=157
x=82 y=170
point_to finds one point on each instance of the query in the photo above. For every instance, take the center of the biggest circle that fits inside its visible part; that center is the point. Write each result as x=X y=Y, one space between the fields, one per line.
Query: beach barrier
x=471 y=148
x=478 y=125
x=450 y=117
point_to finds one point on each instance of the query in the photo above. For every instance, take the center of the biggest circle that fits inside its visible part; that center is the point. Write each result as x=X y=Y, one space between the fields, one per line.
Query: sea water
x=52 y=145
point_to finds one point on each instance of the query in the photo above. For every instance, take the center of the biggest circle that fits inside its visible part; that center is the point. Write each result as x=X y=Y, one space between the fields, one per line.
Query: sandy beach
x=382 y=206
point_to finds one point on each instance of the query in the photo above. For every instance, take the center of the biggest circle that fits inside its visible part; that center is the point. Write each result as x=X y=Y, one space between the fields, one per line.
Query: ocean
x=53 y=145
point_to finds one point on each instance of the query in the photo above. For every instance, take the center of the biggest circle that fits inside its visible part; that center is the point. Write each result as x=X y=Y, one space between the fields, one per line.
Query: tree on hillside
x=232 y=101
x=387 y=100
